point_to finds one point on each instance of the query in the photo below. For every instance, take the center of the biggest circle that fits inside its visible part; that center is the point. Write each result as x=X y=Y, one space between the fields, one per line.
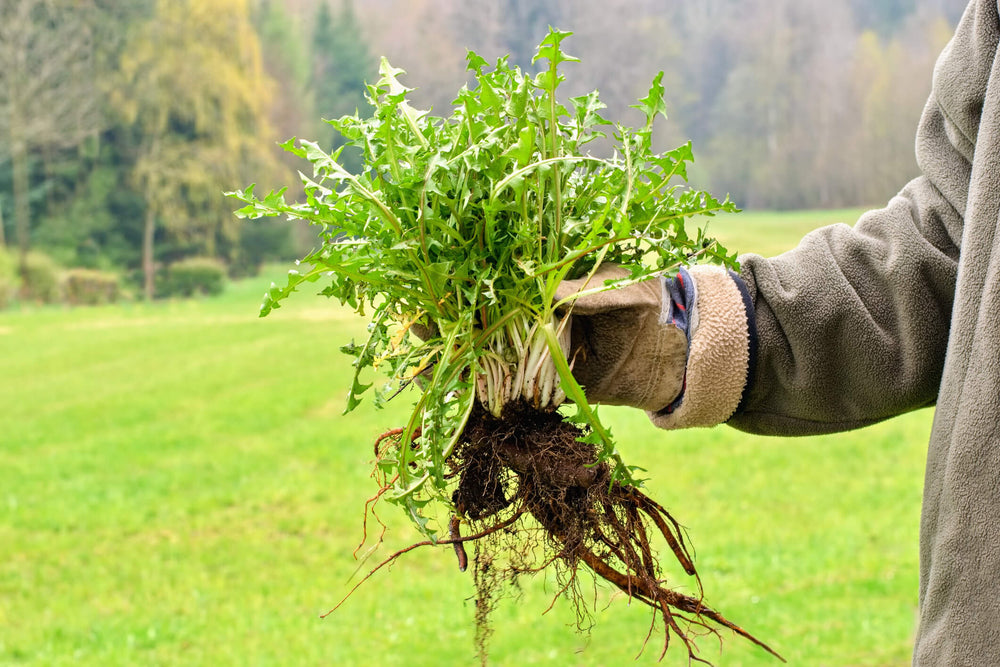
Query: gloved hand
x=624 y=348
x=678 y=348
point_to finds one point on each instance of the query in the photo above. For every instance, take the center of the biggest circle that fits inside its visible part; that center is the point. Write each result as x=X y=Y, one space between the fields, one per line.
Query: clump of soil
x=532 y=463
x=531 y=496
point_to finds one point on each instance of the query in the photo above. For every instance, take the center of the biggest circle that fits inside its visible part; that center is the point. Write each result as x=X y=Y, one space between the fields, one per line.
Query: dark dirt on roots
x=529 y=496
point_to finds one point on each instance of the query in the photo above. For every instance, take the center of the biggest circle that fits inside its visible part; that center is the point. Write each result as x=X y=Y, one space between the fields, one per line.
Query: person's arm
x=854 y=322
x=852 y=325
x=847 y=329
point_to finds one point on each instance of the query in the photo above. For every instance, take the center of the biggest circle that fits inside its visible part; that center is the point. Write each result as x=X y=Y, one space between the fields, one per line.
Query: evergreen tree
x=341 y=66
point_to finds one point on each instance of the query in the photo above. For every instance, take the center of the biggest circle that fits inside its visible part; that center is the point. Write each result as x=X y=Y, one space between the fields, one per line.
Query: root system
x=530 y=496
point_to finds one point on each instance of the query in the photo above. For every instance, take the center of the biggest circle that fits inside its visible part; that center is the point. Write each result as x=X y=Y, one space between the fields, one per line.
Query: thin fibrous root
x=393 y=433
x=427 y=543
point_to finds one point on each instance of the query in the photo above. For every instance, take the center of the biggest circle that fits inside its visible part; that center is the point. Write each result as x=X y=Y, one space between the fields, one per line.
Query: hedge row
x=194 y=276
x=46 y=282
x=89 y=287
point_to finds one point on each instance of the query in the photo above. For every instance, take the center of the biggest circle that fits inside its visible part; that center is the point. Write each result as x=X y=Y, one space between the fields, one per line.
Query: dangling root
x=653 y=594
x=533 y=463
x=426 y=543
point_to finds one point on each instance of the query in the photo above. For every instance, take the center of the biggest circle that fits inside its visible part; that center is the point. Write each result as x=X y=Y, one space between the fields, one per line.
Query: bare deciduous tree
x=48 y=95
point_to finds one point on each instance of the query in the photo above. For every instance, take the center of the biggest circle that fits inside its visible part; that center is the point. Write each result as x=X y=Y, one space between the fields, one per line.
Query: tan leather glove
x=678 y=348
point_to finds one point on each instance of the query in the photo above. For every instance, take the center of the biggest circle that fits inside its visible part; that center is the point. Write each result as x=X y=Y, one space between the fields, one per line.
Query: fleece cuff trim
x=719 y=354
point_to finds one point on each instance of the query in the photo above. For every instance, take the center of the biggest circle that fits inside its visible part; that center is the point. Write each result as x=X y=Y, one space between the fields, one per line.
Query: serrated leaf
x=550 y=49
x=354 y=395
x=524 y=148
x=653 y=104
x=518 y=100
x=475 y=62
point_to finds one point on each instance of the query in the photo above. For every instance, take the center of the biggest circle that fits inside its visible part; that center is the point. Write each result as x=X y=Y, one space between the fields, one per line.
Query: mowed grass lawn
x=178 y=487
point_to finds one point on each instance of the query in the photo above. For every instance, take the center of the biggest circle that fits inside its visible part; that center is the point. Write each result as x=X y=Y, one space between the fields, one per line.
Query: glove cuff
x=720 y=355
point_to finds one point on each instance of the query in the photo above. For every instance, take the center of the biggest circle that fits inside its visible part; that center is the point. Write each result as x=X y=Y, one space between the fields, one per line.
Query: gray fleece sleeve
x=853 y=323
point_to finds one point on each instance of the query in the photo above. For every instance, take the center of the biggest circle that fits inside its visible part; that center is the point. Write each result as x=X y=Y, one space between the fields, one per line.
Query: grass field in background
x=178 y=487
x=769 y=233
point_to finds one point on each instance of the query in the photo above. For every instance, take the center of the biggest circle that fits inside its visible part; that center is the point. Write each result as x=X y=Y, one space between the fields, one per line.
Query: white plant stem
x=531 y=377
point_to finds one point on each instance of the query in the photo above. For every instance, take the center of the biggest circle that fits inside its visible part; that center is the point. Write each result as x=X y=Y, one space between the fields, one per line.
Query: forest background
x=122 y=122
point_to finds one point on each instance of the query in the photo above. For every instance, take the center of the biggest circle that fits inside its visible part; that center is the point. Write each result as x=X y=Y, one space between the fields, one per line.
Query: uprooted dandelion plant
x=452 y=239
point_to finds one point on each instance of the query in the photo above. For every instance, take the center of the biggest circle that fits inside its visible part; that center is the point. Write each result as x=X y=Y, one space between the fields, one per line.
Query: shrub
x=89 y=287
x=195 y=276
x=41 y=279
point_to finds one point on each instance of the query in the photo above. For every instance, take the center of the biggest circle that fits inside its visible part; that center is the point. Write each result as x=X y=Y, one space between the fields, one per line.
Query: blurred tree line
x=789 y=103
x=121 y=124
x=122 y=121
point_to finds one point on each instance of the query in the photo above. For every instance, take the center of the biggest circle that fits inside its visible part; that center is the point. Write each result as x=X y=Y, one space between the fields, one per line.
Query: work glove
x=680 y=348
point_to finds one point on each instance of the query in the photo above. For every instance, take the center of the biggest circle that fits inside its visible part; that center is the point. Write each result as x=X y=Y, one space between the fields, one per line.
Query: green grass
x=178 y=487
x=769 y=233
